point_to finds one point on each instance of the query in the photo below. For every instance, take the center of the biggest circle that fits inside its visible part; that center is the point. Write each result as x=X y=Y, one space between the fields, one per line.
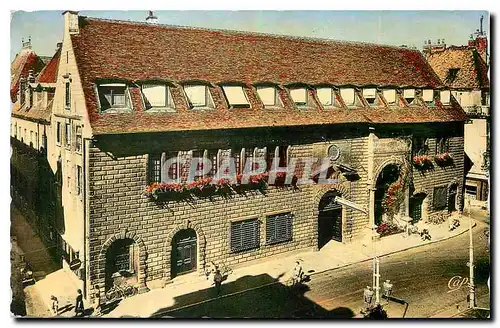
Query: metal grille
x=279 y=228
x=245 y=235
x=440 y=198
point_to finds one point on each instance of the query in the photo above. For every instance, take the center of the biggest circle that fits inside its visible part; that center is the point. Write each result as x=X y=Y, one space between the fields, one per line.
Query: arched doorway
x=184 y=252
x=122 y=263
x=416 y=206
x=389 y=175
x=452 y=198
x=329 y=219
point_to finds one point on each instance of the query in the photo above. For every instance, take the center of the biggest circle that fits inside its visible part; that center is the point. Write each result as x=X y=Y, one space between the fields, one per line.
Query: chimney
x=151 y=19
x=71 y=22
x=26 y=44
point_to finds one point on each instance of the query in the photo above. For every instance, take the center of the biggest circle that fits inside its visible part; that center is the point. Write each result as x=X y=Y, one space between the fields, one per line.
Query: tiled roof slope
x=472 y=73
x=38 y=111
x=25 y=60
x=49 y=72
x=137 y=51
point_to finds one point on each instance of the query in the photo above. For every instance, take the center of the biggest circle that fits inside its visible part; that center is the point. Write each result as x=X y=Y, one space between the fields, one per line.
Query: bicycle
x=118 y=292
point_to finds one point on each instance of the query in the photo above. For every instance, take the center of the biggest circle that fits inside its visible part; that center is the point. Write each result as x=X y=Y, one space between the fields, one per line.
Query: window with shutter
x=279 y=228
x=157 y=96
x=299 y=96
x=348 y=96
x=235 y=96
x=245 y=235
x=440 y=198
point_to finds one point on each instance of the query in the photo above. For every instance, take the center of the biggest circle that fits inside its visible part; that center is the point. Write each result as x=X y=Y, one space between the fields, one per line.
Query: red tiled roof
x=20 y=66
x=137 y=51
x=49 y=72
x=472 y=73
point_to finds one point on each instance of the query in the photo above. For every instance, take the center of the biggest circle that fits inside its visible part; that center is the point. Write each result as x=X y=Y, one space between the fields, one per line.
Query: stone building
x=31 y=176
x=130 y=95
x=464 y=70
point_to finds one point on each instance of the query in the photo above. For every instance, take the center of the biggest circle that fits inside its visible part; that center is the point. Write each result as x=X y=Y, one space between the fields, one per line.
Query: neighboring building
x=131 y=95
x=20 y=67
x=31 y=176
x=463 y=69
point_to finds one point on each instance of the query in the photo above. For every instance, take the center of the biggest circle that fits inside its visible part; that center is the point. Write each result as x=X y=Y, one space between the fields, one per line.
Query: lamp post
x=376 y=269
x=472 y=294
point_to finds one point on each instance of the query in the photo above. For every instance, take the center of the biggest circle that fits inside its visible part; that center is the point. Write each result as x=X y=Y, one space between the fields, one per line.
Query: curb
x=312 y=274
x=397 y=251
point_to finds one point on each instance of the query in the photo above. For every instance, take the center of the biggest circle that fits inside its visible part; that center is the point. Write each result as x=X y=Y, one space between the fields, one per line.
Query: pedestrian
x=96 y=305
x=55 y=304
x=368 y=298
x=79 y=303
x=217 y=280
x=387 y=288
x=297 y=273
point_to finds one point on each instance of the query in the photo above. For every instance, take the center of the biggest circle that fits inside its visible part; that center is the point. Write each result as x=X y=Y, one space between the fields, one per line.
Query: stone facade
x=118 y=208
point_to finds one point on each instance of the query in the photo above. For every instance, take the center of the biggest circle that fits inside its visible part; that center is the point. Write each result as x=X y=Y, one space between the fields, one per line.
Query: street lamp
x=470 y=264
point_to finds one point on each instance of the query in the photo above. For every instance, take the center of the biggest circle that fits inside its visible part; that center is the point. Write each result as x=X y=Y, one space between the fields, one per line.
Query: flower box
x=387 y=229
x=443 y=159
x=422 y=162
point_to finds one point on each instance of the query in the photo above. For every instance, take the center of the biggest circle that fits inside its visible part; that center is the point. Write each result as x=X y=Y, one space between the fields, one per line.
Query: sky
x=385 y=27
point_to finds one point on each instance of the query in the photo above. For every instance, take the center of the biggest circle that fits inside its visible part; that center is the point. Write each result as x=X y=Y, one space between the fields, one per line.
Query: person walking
x=368 y=298
x=297 y=273
x=96 y=305
x=217 y=281
x=79 y=303
x=55 y=304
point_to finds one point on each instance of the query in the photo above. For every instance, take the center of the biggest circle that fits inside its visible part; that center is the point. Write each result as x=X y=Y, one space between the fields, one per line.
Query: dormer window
x=390 y=96
x=326 y=96
x=113 y=96
x=409 y=95
x=370 y=95
x=269 y=96
x=198 y=96
x=428 y=95
x=157 y=96
x=235 y=96
x=348 y=96
x=299 y=96
x=445 y=97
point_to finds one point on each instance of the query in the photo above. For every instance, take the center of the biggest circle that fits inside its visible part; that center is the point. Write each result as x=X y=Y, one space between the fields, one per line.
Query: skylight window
x=428 y=95
x=113 y=95
x=409 y=95
x=325 y=96
x=268 y=96
x=348 y=96
x=390 y=96
x=198 y=96
x=370 y=95
x=157 y=96
x=299 y=96
x=445 y=97
x=235 y=96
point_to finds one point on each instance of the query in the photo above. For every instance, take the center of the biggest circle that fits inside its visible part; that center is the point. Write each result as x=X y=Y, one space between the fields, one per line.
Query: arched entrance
x=416 y=206
x=122 y=263
x=387 y=176
x=329 y=219
x=452 y=198
x=184 y=252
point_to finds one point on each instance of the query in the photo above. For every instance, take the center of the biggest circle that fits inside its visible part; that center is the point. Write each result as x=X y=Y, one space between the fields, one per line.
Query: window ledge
x=202 y=108
x=274 y=107
x=160 y=110
x=116 y=110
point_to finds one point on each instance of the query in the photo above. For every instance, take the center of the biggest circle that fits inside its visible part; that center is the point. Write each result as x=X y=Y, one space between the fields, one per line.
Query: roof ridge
x=240 y=32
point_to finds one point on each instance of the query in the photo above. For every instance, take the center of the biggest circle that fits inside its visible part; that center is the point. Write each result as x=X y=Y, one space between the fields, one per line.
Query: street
x=420 y=276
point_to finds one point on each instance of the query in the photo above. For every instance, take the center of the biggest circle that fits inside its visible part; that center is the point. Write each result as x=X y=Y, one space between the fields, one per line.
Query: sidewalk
x=333 y=255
